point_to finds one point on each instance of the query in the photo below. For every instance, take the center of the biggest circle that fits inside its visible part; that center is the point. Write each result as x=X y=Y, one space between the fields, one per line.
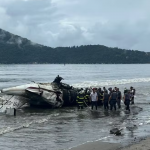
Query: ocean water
x=58 y=129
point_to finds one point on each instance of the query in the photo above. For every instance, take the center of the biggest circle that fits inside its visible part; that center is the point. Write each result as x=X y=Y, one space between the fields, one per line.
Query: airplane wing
x=36 y=91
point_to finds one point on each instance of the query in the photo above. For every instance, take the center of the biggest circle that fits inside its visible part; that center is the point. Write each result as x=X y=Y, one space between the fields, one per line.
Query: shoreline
x=141 y=144
x=98 y=145
x=144 y=144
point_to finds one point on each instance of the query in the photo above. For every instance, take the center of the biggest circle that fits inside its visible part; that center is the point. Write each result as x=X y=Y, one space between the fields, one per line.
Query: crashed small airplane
x=55 y=94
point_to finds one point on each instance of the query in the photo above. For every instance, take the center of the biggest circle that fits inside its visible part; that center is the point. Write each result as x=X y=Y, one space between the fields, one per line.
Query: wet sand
x=98 y=145
x=142 y=145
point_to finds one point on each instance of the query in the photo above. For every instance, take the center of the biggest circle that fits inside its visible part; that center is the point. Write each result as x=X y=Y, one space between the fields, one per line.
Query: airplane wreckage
x=55 y=95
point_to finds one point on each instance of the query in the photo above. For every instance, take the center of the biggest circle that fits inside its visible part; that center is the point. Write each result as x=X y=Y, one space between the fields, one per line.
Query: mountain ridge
x=17 y=50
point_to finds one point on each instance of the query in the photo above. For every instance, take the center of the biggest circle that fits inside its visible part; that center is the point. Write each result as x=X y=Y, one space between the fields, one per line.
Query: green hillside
x=17 y=50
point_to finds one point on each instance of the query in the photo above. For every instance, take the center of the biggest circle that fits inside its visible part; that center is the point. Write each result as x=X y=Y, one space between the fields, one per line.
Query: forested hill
x=17 y=50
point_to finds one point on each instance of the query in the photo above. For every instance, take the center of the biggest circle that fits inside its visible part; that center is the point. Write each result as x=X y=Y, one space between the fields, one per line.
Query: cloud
x=116 y=23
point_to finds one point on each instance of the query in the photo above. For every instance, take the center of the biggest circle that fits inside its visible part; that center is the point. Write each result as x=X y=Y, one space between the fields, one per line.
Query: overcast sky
x=114 y=23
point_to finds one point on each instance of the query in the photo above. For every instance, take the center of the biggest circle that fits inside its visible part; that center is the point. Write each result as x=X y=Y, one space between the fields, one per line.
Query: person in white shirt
x=94 y=98
x=132 y=93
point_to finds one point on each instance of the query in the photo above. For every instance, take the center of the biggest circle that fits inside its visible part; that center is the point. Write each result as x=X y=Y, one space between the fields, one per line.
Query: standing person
x=86 y=97
x=104 y=89
x=110 y=91
x=125 y=90
x=132 y=92
x=115 y=88
x=127 y=100
x=80 y=99
x=100 y=97
x=58 y=79
x=94 y=98
x=112 y=100
x=106 y=100
x=119 y=97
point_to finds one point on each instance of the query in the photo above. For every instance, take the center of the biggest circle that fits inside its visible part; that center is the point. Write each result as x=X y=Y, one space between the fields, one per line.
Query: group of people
x=107 y=98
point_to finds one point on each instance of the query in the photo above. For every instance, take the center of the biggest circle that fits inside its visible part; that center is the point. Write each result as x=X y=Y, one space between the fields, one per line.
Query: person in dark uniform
x=58 y=79
x=80 y=99
x=100 y=97
x=125 y=90
x=104 y=89
x=110 y=91
x=119 y=97
x=127 y=100
x=106 y=100
x=113 y=99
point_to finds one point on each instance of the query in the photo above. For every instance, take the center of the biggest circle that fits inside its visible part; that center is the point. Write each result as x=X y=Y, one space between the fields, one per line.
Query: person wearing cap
x=80 y=99
x=113 y=100
x=94 y=98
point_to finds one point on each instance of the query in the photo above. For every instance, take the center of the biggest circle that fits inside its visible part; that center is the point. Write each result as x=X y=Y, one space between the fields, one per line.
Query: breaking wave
x=110 y=82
